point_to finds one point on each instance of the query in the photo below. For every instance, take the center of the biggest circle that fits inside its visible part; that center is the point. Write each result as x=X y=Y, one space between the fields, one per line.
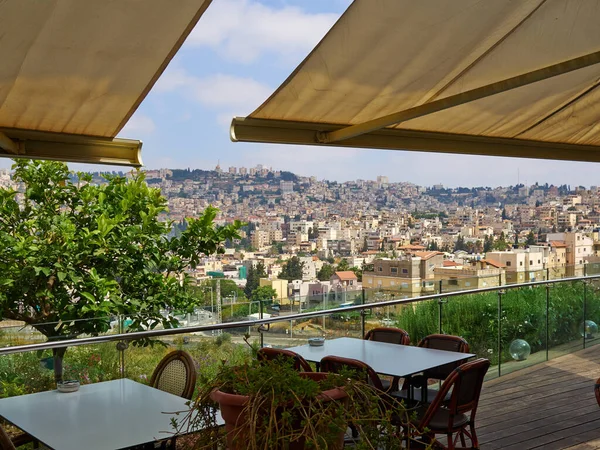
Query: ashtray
x=316 y=341
x=68 y=386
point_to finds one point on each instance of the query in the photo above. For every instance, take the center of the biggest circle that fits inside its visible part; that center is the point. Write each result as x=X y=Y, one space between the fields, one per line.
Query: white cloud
x=139 y=123
x=243 y=30
x=219 y=91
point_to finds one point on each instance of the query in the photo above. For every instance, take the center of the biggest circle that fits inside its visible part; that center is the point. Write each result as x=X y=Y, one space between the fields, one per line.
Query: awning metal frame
x=31 y=144
x=247 y=129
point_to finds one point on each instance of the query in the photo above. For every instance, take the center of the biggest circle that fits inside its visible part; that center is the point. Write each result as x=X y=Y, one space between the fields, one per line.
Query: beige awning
x=72 y=73
x=495 y=77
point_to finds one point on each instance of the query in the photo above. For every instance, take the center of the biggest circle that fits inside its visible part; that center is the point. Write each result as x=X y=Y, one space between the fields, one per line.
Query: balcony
x=539 y=399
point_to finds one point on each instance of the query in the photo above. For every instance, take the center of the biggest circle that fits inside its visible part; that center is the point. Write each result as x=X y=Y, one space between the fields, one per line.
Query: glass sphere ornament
x=588 y=329
x=519 y=350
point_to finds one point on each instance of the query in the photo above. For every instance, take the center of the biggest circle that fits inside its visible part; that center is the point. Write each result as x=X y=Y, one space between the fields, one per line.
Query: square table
x=109 y=415
x=386 y=359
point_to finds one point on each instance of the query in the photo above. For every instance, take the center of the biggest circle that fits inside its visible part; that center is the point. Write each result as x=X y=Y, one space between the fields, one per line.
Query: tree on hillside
x=264 y=293
x=358 y=272
x=325 y=272
x=530 y=239
x=342 y=266
x=488 y=243
x=460 y=244
x=253 y=277
x=292 y=269
x=500 y=243
x=76 y=253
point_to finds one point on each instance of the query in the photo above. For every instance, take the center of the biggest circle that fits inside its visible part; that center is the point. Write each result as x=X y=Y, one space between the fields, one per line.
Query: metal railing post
x=362 y=313
x=584 y=311
x=547 y=321
x=500 y=292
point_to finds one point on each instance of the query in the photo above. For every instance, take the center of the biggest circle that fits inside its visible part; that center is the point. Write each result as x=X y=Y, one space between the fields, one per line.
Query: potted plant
x=269 y=405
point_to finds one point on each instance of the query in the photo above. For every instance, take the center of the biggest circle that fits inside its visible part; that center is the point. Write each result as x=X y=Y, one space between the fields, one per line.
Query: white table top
x=384 y=358
x=110 y=415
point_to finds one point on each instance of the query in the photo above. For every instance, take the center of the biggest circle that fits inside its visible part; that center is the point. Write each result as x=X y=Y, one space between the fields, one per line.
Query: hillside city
x=373 y=234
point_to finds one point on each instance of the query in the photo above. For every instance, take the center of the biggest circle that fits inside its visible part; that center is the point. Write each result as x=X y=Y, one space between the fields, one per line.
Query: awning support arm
x=459 y=99
x=8 y=145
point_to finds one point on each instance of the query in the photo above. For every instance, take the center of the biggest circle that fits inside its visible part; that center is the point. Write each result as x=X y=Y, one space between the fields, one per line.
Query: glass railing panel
x=522 y=328
x=592 y=312
x=419 y=319
x=565 y=318
x=29 y=372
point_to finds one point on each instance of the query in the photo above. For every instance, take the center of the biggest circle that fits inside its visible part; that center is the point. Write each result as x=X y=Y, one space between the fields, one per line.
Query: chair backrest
x=389 y=335
x=176 y=374
x=272 y=354
x=336 y=364
x=465 y=382
x=444 y=342
x=597 y=390
x=5 y=442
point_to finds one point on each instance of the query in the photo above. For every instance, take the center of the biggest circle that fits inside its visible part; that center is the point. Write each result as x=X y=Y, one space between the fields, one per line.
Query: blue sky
x=239 y=53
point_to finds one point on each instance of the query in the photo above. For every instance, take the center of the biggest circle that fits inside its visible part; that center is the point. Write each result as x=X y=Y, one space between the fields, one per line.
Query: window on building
x=370 y=280
x=467 y=283
x=404 y=270
x=392 y=283
x=531 y=262
x=508 y=263
x=452 y=282
x=539 y=261
x=380 y=268
x=520 y=263
x=404 y=285
x=394 y=269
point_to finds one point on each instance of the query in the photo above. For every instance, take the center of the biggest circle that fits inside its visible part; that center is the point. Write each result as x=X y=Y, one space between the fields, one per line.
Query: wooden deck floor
x=547 y=406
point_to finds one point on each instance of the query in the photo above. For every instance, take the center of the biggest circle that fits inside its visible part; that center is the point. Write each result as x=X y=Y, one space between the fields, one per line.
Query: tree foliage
x=264 y=293
x=292 y=269
x=253 y=277
x=75 y=253
x=325 y=272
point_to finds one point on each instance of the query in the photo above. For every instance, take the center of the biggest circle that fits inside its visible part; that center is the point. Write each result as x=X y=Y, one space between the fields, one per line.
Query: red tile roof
x=346 y=275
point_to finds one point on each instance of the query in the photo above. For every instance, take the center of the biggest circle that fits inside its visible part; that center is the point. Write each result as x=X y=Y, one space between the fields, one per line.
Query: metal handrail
x=251 y=323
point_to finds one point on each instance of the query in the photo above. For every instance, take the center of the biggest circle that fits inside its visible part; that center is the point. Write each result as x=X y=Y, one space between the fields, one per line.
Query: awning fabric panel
x=82 y=67
x=385 y=56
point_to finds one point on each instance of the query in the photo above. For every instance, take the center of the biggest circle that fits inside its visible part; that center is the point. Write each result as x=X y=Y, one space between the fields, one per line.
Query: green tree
x=500 y=243
x=343 y=266
x=264 y=293
x=488 y=243
x=358 y=272
x=292 y=269
x=76 y=253
x=253 y=278
x=460 y=244
x=325 y=272
x=530 y=239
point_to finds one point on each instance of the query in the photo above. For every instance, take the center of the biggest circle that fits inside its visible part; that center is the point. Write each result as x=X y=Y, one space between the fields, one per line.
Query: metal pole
x=584 y=311
x=500 y=292
x=362 y=313
x=547 y=320
x=260 y=315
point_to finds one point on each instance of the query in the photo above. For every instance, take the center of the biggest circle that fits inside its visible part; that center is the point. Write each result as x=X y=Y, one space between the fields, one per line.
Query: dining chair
x=597 y=390
x=337 y=364
x=445 y=342
x=364 y=372
x=390 y=336
x=273 y=354
x=176 y=374
x=454 y=418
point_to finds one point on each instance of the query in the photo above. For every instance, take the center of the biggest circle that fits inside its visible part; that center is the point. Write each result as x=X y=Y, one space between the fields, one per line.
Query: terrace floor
x=547 y=406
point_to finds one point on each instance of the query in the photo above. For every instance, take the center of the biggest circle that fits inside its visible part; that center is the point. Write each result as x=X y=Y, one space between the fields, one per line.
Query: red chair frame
x=272 y=354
